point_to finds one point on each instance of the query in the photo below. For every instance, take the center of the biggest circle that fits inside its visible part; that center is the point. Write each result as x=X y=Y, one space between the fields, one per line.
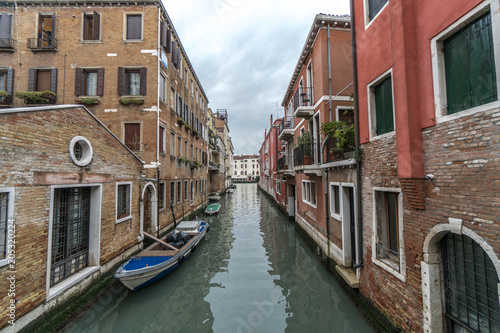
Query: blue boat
x=163 y=257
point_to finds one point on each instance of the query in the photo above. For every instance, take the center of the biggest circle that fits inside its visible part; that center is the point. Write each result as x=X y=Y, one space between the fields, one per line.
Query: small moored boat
x=214 y=198
x=163 y=257
x=212 y=209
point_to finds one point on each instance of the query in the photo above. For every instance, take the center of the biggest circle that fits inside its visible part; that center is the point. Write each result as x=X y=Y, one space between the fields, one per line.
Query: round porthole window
x=80 y=151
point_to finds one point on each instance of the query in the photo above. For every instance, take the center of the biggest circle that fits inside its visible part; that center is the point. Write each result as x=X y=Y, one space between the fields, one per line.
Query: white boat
x=161 y=258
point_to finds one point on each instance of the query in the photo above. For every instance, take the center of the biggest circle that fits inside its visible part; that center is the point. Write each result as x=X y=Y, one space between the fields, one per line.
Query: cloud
x=244 y=53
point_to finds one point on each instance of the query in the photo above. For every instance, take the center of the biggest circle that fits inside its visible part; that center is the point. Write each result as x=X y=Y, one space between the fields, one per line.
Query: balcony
x=303 y=103
x=6 y=45
x=285 y=165
x=306 y=159
x=333 y=154
x=286 y=129
x=42 y=44
x=212 y=166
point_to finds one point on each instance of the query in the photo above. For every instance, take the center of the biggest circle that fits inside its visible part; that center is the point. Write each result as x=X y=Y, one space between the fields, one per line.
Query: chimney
x=270 y=126
x=265 y=134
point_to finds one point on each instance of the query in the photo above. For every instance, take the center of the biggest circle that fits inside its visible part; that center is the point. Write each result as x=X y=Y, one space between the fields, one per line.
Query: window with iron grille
x=70 y=233
x=387 y=228
x=123 y=201
x=471 y=286
x=470 y=66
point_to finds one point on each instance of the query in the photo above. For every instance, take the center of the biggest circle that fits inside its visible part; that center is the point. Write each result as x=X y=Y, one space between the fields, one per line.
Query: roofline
x=67 y=106
x=67 y=3
x=319 y=21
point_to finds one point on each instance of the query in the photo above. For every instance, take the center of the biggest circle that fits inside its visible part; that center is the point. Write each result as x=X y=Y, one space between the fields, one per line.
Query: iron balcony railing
x=42 y=43
x=287 y=123
x=332 y=154
x=285 y=163
x=6 y=43
x=388 y=256
x=304 y=154
x=303 y=97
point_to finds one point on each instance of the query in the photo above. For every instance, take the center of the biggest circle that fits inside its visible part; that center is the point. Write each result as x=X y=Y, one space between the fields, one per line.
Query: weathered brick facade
x=35 y=161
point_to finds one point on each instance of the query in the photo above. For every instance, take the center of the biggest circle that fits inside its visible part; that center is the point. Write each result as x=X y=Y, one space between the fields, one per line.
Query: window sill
x=383 y=265
x=383 y=136
x=310 y=204
x=336 y=216
x=70 y=282
x=131 y=41
x=482 y=108
x=91 y=41
x=123 y=219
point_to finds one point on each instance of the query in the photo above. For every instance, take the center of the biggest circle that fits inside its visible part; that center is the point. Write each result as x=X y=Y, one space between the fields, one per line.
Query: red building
x=427 y=87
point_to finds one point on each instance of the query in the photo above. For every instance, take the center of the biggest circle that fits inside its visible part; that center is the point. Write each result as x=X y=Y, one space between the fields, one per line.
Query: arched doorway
x=148 y=209
x=459 y=281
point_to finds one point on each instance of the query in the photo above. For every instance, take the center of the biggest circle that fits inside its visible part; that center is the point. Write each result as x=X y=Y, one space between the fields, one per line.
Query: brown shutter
x=53 y=80
x=78 y=81
x=144 y=80
x=121 y=81
x=162 y=138
x=163 y=33
x=168 y=46
x=132 y=136
x=96 y=25
x=53 y=28
x=31 y=79
x=100 y=81
x=9 y=85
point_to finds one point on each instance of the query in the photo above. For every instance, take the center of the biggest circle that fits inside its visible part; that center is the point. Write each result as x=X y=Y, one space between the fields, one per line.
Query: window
x=80 y=151
x=172 y=192
x=132 y=81
x=381 y=106
x=133 y=29
x=335 y=201
x=471 y=286
x=162 y=88
x=278 y=187
x=5 y=30
x=172 y=144
x=179 y=146
x=132 y=136
x=469 y=64
x=123 y=201
x=6 y=84
x=42 y=79
x=185 y=190
x=179 y=190
x=309 y=192
x=91 y=26
x=6 y=222
x=374 y=7
x=192 y=191
x=162 y=140
x=186 y=149
x=46 y=33
x=70 y=233
x=161 y=195
x=388 y=228
x=89 y=81
x=186 y=77
x=173 y=98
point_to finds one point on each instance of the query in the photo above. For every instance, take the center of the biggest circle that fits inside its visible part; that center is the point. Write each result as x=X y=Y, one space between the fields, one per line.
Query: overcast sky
x=244 y=53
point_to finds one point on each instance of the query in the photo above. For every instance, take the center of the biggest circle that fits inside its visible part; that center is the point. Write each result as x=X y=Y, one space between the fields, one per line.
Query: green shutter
x=383 y=107
x=470 y=67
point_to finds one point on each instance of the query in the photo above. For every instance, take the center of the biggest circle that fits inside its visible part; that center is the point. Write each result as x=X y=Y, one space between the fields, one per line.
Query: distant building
x=246 y=167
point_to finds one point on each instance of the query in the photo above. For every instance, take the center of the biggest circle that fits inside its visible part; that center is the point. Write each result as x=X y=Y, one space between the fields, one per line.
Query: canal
x=253 y=273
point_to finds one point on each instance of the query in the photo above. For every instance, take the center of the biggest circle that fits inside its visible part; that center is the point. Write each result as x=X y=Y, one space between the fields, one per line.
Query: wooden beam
x=160 y=241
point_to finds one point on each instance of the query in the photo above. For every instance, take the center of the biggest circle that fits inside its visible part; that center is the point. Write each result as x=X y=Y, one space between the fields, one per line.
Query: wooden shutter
x=96 y=26
x=31 y=79
x=53 y=80
x=9 y=85
x=168 y=45
x=163 y=33
x=100 y=81
x=121 y=81
x=175 y=55
x=134 y=26
x=132 y=136
x=53 y=37
x=144 y=80
x=78 y=81
x=5 y=29
x=384 y=107
x=457 y=72
x=162 y=140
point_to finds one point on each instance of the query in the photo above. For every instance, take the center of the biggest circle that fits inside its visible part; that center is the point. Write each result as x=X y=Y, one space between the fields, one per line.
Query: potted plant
x=343 y=134
x=305 y=142
x=36 y=97
x=88 y=101
x=130 y=100
x=181 y=121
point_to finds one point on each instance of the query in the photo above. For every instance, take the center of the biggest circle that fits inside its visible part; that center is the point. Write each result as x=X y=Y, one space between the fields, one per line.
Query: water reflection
x=253 y=273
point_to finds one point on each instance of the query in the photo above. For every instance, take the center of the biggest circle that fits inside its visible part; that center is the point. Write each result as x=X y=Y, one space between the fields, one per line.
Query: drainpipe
x=325 y=173
x=359 y=263
x=329 y=75
x=158 y=124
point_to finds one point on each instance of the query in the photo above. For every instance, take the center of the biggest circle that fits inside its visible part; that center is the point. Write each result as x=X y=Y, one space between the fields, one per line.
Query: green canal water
x=252 y=273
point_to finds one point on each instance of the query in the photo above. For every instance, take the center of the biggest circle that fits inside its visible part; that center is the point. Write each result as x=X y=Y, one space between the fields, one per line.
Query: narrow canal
x=253 y=273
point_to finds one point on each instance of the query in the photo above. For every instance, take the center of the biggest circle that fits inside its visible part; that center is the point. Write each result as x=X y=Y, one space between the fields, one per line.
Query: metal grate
x=70 y=234
x=471 y=286
x=4 y=204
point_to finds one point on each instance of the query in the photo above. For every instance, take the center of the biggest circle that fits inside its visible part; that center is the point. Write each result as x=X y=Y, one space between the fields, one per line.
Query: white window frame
x=307 y=193
x=125 y=40
x=438 y=66
x=10 y=217
x=366 y=12
x=340 y=109
x=370 y=88
x=128 y=217
x=94 y=241
x=401 y=275
x=332 y=201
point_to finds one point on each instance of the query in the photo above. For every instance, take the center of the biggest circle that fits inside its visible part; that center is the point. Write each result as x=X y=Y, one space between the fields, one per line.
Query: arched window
x=471 y=286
